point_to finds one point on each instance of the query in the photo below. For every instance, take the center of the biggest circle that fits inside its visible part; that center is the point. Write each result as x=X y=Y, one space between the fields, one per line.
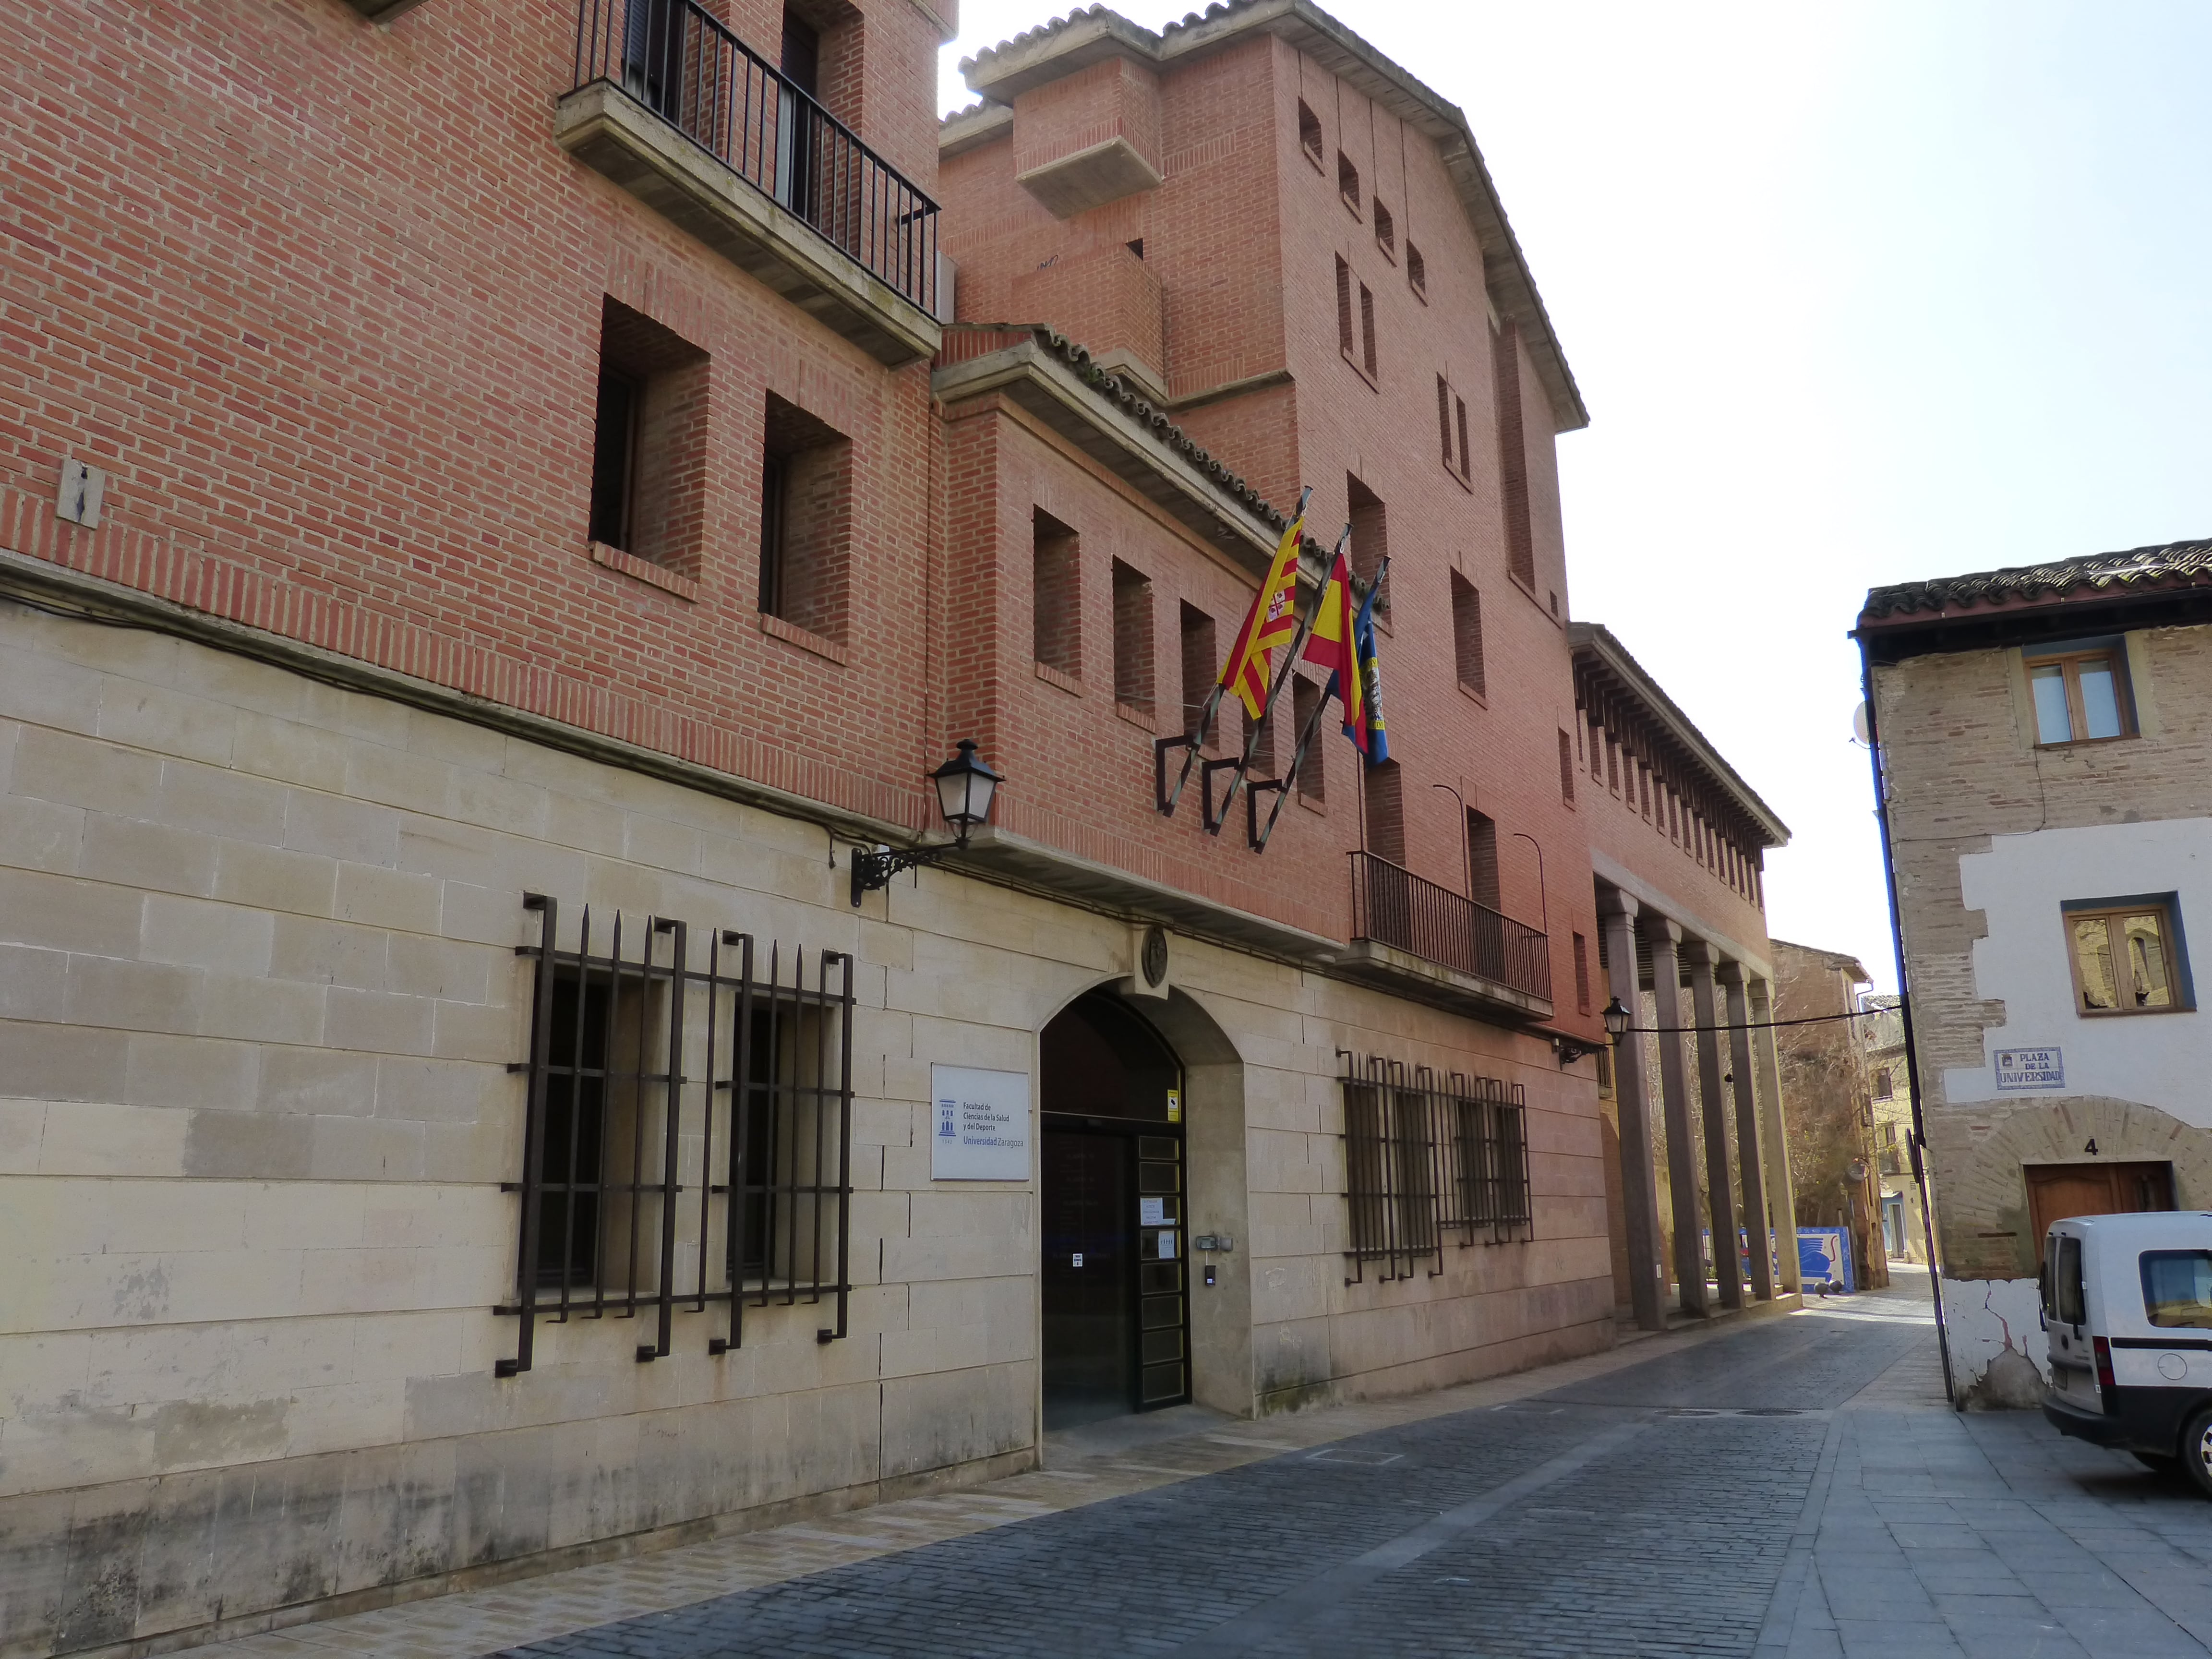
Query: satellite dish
x=1859 y=732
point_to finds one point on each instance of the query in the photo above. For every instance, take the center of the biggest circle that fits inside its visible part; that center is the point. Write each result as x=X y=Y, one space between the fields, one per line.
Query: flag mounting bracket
x=1257 y=840
x=1214 y=819
x=1162 y=797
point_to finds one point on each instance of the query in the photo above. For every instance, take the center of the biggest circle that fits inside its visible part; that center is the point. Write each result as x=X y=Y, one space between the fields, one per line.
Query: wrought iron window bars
x=1424 y=1156
x=687 y=1131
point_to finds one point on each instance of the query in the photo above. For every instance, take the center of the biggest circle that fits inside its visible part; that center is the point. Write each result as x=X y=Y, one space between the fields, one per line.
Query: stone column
x=1774 y=1130
x=1665 y=939
x=1639 y=1192
x=1751 y=1144
x=1720 y=1190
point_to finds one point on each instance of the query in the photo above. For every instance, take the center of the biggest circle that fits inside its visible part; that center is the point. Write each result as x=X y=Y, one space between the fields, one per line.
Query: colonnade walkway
x=1791 y=1484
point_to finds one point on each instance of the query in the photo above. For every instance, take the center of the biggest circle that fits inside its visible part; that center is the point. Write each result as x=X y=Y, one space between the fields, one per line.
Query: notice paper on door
x=1167 y=1246
x=1151 y=1212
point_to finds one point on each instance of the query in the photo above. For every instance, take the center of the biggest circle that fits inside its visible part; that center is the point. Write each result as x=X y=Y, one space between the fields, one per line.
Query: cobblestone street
x=1793 y=1486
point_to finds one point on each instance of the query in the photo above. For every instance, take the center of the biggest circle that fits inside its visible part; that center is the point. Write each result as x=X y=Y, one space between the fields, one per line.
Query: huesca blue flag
x=1371 y=676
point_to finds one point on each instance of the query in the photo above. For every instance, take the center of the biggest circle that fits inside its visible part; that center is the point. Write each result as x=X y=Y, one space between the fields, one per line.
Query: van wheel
x=2197 y=1450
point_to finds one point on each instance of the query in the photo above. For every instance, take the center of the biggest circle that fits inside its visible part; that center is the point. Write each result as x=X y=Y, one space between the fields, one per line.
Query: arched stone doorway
x=1141 y=1121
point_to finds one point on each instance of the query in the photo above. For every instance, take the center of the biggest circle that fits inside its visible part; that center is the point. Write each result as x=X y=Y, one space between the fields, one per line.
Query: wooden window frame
x=2068 y=660
x=2169 y=907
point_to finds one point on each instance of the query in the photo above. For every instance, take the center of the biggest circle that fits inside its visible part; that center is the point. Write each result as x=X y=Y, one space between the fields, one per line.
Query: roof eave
x=1599 y=640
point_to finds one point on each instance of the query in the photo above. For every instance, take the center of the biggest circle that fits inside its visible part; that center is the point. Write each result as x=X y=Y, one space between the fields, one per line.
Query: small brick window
x=1263 y=751
x=1367 y=354
x=1512 y=456
x=1200 y=670
x=1386 y=812
x=1386 y=232
x=1309 y=138
x=1346 y=317
x=1055 y=594
x=806 y=521
x=1566 y=768
x=1451 y=430
x=2080 y=692
x=1417 y=273
x=1313 y=771
x=1370 y=537
x=1482 y=873
x=1132 y=638
x=1347 y=181
x=1466 y=634
x=1582 y=975
x=649 y=442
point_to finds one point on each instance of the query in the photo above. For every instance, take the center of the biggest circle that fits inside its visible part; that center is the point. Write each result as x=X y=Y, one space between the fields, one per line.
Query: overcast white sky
x=1855 y=294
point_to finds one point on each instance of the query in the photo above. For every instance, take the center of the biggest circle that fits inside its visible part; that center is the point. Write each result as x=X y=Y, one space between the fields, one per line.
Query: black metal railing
x=1393 y=906
x=677 y=60
x=687 y=1130
x=1425 y=1157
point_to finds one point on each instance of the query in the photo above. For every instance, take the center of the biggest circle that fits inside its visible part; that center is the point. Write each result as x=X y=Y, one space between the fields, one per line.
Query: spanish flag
x=1272 y=621
x=1332 y=646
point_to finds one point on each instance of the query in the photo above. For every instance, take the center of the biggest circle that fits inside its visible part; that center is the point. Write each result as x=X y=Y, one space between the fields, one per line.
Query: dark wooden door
x=2056 y=1191
x=1090 y=1213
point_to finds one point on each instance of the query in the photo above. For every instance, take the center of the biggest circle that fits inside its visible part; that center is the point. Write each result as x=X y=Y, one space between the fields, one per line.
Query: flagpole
x=1195 y=738
x=1305 y=741
x=1274 y=691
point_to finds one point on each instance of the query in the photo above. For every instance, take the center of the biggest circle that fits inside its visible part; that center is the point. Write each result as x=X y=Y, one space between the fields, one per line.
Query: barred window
x=686 y=1139
x=1425 y=1157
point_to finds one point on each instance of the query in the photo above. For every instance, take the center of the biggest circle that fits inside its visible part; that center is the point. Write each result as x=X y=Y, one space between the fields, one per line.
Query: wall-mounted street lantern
x=965 y=787
x=1616 y=1019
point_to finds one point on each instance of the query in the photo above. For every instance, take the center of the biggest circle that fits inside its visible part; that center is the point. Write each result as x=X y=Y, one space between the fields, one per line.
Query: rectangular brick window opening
x=1370 y=537
x=1451 y=429
x=1482 y=859
x=1386 y=233
x=1132 y=638
x=1386 y=812
x=1512 y=456
x=1055 y=594
x=806 y=521
x=1347 y=340
x=649 y=442
x=1313 y=771
x=1582 y=975
x=1309 y=138
x=2127 y=955
x=1417 y=273
x=1200 y=670
x=1368 y=359
x=1467 y=633
x=1347 y=181
x=1566 y=768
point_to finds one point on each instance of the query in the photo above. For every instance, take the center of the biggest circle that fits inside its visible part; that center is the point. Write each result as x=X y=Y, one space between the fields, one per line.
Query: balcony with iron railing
x=1416 y=937
x=679 y=111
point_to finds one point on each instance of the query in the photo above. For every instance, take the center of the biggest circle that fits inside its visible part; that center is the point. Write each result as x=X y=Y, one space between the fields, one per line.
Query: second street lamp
x=965 y=789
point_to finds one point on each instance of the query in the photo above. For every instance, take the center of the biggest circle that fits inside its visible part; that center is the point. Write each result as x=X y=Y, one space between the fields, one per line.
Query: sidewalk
x=1085 y=1466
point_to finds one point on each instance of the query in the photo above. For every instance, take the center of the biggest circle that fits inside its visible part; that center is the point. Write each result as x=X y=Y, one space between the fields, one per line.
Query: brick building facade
x=501 y=513
x=2041 y=737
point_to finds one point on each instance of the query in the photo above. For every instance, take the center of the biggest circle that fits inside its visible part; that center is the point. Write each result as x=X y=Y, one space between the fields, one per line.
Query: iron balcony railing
x=677 y=60
x=1393 y=906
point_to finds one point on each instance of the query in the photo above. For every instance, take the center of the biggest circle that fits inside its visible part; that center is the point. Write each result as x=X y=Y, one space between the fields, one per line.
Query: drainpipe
x=1919 y=1138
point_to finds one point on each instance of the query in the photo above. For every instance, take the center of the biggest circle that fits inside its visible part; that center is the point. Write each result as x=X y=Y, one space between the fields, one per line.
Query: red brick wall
x=1115 y=99
x=1110 y=290
x=1242 y=237
x=325 y=298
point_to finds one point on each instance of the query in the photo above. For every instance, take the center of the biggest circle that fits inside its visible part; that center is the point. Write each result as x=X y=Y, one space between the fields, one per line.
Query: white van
x=2127 y=1300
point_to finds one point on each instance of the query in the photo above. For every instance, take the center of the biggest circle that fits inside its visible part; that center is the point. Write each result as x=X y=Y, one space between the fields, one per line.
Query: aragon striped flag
x=1273 y=621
